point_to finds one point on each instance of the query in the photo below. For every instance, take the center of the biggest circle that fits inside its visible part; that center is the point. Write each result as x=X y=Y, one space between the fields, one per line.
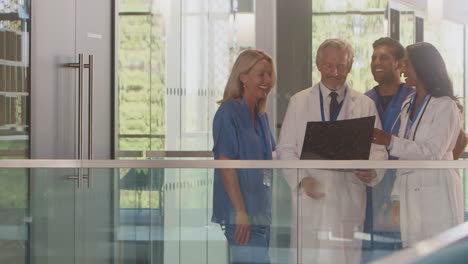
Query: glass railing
x=160 y=211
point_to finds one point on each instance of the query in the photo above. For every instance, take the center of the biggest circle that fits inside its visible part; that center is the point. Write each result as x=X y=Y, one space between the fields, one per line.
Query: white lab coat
x=431 y=200
x=322 y=230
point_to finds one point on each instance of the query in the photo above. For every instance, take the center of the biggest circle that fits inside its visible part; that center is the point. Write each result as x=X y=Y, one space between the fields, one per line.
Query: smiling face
x=385 y=68
x=333 y=67
x=257 y=82
x=411 y=78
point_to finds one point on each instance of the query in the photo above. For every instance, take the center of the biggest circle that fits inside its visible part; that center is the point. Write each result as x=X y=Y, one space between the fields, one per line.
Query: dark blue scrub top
x=391 y=114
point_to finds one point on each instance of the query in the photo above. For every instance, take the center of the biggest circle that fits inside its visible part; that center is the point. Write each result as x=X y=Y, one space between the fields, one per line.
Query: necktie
x=333 y=105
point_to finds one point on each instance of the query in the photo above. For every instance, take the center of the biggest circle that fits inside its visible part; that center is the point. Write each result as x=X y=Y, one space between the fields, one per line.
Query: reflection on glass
x=165 y=217
x=13 y=215
x=140 y=214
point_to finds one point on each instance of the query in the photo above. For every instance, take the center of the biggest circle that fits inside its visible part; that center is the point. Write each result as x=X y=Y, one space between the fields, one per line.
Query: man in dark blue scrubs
x=389 y=95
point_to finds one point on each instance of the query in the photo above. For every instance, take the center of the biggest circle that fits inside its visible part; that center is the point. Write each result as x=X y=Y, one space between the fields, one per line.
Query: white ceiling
x=456 y=10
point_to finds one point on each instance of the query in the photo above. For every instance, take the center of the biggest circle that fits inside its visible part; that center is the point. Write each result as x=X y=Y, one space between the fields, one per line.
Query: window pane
x=174 y=61
x=14 y=128
x=333 y=19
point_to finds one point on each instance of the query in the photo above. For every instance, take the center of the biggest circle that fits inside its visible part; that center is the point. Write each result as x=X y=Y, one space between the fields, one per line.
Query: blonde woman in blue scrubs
x=242 y=197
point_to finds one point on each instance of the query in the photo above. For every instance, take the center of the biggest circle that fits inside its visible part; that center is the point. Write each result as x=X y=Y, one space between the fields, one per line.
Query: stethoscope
x=399 y=114
x=388 y=114
x=409 y=106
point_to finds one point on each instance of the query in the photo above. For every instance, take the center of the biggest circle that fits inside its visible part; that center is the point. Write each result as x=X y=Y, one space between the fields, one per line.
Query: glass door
x=71 y=65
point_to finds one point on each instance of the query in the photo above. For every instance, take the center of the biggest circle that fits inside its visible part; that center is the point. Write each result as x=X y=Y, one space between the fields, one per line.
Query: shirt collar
x=326 y=92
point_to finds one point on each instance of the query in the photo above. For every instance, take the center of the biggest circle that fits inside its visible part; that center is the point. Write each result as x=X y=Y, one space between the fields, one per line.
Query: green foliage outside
x=135 y=5
x=141 y=82
x=360 y=30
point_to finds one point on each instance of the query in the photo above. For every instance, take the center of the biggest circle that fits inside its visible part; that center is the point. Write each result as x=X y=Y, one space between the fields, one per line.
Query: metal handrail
x=164 y=154
x=464 y=155
x=242 y=164
x=180 y=154
x=183 y=154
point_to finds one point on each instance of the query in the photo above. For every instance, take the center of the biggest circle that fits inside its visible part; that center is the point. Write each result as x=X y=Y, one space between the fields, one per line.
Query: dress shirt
x=327 y=98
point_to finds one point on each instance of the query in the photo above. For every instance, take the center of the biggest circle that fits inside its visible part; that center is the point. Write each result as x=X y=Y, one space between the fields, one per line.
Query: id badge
x=267 y=177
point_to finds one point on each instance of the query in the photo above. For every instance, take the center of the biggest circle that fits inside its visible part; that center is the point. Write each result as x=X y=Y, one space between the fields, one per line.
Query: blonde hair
x=339 y=45
x=244 y=63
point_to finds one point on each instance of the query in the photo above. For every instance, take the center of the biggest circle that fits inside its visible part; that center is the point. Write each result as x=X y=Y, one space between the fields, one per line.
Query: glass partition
x=174 y=58
x=167 y=214
x=14 y=215
x=14 y=79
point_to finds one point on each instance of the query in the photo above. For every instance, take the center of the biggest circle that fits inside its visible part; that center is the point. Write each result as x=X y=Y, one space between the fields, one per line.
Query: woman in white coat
x=426 y=201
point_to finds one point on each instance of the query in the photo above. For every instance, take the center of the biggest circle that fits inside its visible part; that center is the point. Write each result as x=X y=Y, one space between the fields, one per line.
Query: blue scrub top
x=390 y=117
x=235 y=137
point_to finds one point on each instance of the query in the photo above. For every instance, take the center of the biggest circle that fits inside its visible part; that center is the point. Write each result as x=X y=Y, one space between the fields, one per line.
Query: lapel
x=313 y=104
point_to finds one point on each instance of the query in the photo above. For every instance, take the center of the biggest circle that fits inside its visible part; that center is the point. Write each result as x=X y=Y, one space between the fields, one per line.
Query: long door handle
x=90 y=116
x=81 y=66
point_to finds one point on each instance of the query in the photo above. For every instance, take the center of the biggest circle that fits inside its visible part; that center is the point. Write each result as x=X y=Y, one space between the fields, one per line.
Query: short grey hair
x=338 y=44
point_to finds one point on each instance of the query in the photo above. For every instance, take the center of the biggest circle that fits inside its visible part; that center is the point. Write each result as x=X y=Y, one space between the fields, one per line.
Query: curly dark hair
x=430 y=69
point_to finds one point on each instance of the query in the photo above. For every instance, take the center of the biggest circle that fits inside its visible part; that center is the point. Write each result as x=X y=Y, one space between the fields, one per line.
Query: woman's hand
x=242 y=234
x=312 y=187
x=395 y=213
x=231 y=184
x=381 y=137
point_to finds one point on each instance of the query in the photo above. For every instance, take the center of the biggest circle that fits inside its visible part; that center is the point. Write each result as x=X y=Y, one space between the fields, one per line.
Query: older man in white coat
x=328 y=206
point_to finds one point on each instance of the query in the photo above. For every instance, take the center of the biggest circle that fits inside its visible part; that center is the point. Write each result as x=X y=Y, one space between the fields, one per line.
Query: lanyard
x=410 y=122
x=263 y=136
x=338 y=110
x=390 y=109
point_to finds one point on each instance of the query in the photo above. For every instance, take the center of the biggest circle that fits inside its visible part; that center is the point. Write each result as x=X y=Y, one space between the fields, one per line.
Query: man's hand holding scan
x=313 y=188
